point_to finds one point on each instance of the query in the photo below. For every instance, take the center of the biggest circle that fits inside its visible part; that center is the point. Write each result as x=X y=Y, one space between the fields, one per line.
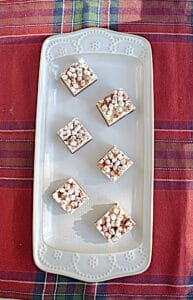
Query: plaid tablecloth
x=168 y=26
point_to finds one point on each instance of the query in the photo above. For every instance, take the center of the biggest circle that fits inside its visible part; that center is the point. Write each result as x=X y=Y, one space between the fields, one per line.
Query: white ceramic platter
x=69 y=244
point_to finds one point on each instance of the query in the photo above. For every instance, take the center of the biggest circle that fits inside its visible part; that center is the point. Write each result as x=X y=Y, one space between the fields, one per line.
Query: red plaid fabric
x=168 y=26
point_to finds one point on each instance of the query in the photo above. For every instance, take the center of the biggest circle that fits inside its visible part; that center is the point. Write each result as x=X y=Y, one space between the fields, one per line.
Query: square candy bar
x=78 y=76
x=114 y=163
x=74 y=135
x=114 y=224
x=115 y=106
x=70 y=196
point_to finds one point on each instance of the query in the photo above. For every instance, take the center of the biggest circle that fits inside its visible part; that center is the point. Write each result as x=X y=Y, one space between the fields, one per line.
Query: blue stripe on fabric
x=190 y=293
x=58 y=10
x=170 y=38
x=154 y=279
x=101 y=297
x=101 y=290
x=114 y=10
x=183 y=38
x=38 y=288
x=192 y=14
x=183 y=125
x=88 y=9
x=173 y=185
x=113 y=14
x=16 y=125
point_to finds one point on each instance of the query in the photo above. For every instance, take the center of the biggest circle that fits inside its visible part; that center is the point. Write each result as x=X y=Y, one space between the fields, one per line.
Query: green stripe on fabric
x=62 y=288
x=68 y=297
x=76 y=297
x=79 y=288
x=77 y=12
x=85 y=14
x=68 y=290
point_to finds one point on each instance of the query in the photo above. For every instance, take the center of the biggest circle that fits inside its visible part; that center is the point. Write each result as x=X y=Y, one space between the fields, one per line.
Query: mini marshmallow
x=69 y=73
x=73 y=143
x=72 y=69
x=113 y=217
x=116 y=210
x=112 y=231
x=108 y=219
x=107 y=162
x=113 y=223
x=82 y=83
x=111 y=106
x=64 y=77
x=99 y=227
x=119 y=109
x=68 y=208
x=107 y=169
x=104 y=107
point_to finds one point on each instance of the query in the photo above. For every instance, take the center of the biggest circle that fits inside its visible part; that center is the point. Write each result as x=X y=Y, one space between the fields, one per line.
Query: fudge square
x=74 y=135
x=70 y=196
x=78 y=76
x=114 y=224
x=115 y=106
x=114 y=163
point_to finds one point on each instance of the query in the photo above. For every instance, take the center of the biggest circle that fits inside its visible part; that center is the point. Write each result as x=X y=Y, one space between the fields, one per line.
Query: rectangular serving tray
x=69 y=244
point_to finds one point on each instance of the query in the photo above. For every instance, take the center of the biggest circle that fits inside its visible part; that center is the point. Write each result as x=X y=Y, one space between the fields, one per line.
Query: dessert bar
x=70 y=196
x=78 y=76
x=114 y=163
x=115 y=106
x=114 y=224
x=74 y=135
